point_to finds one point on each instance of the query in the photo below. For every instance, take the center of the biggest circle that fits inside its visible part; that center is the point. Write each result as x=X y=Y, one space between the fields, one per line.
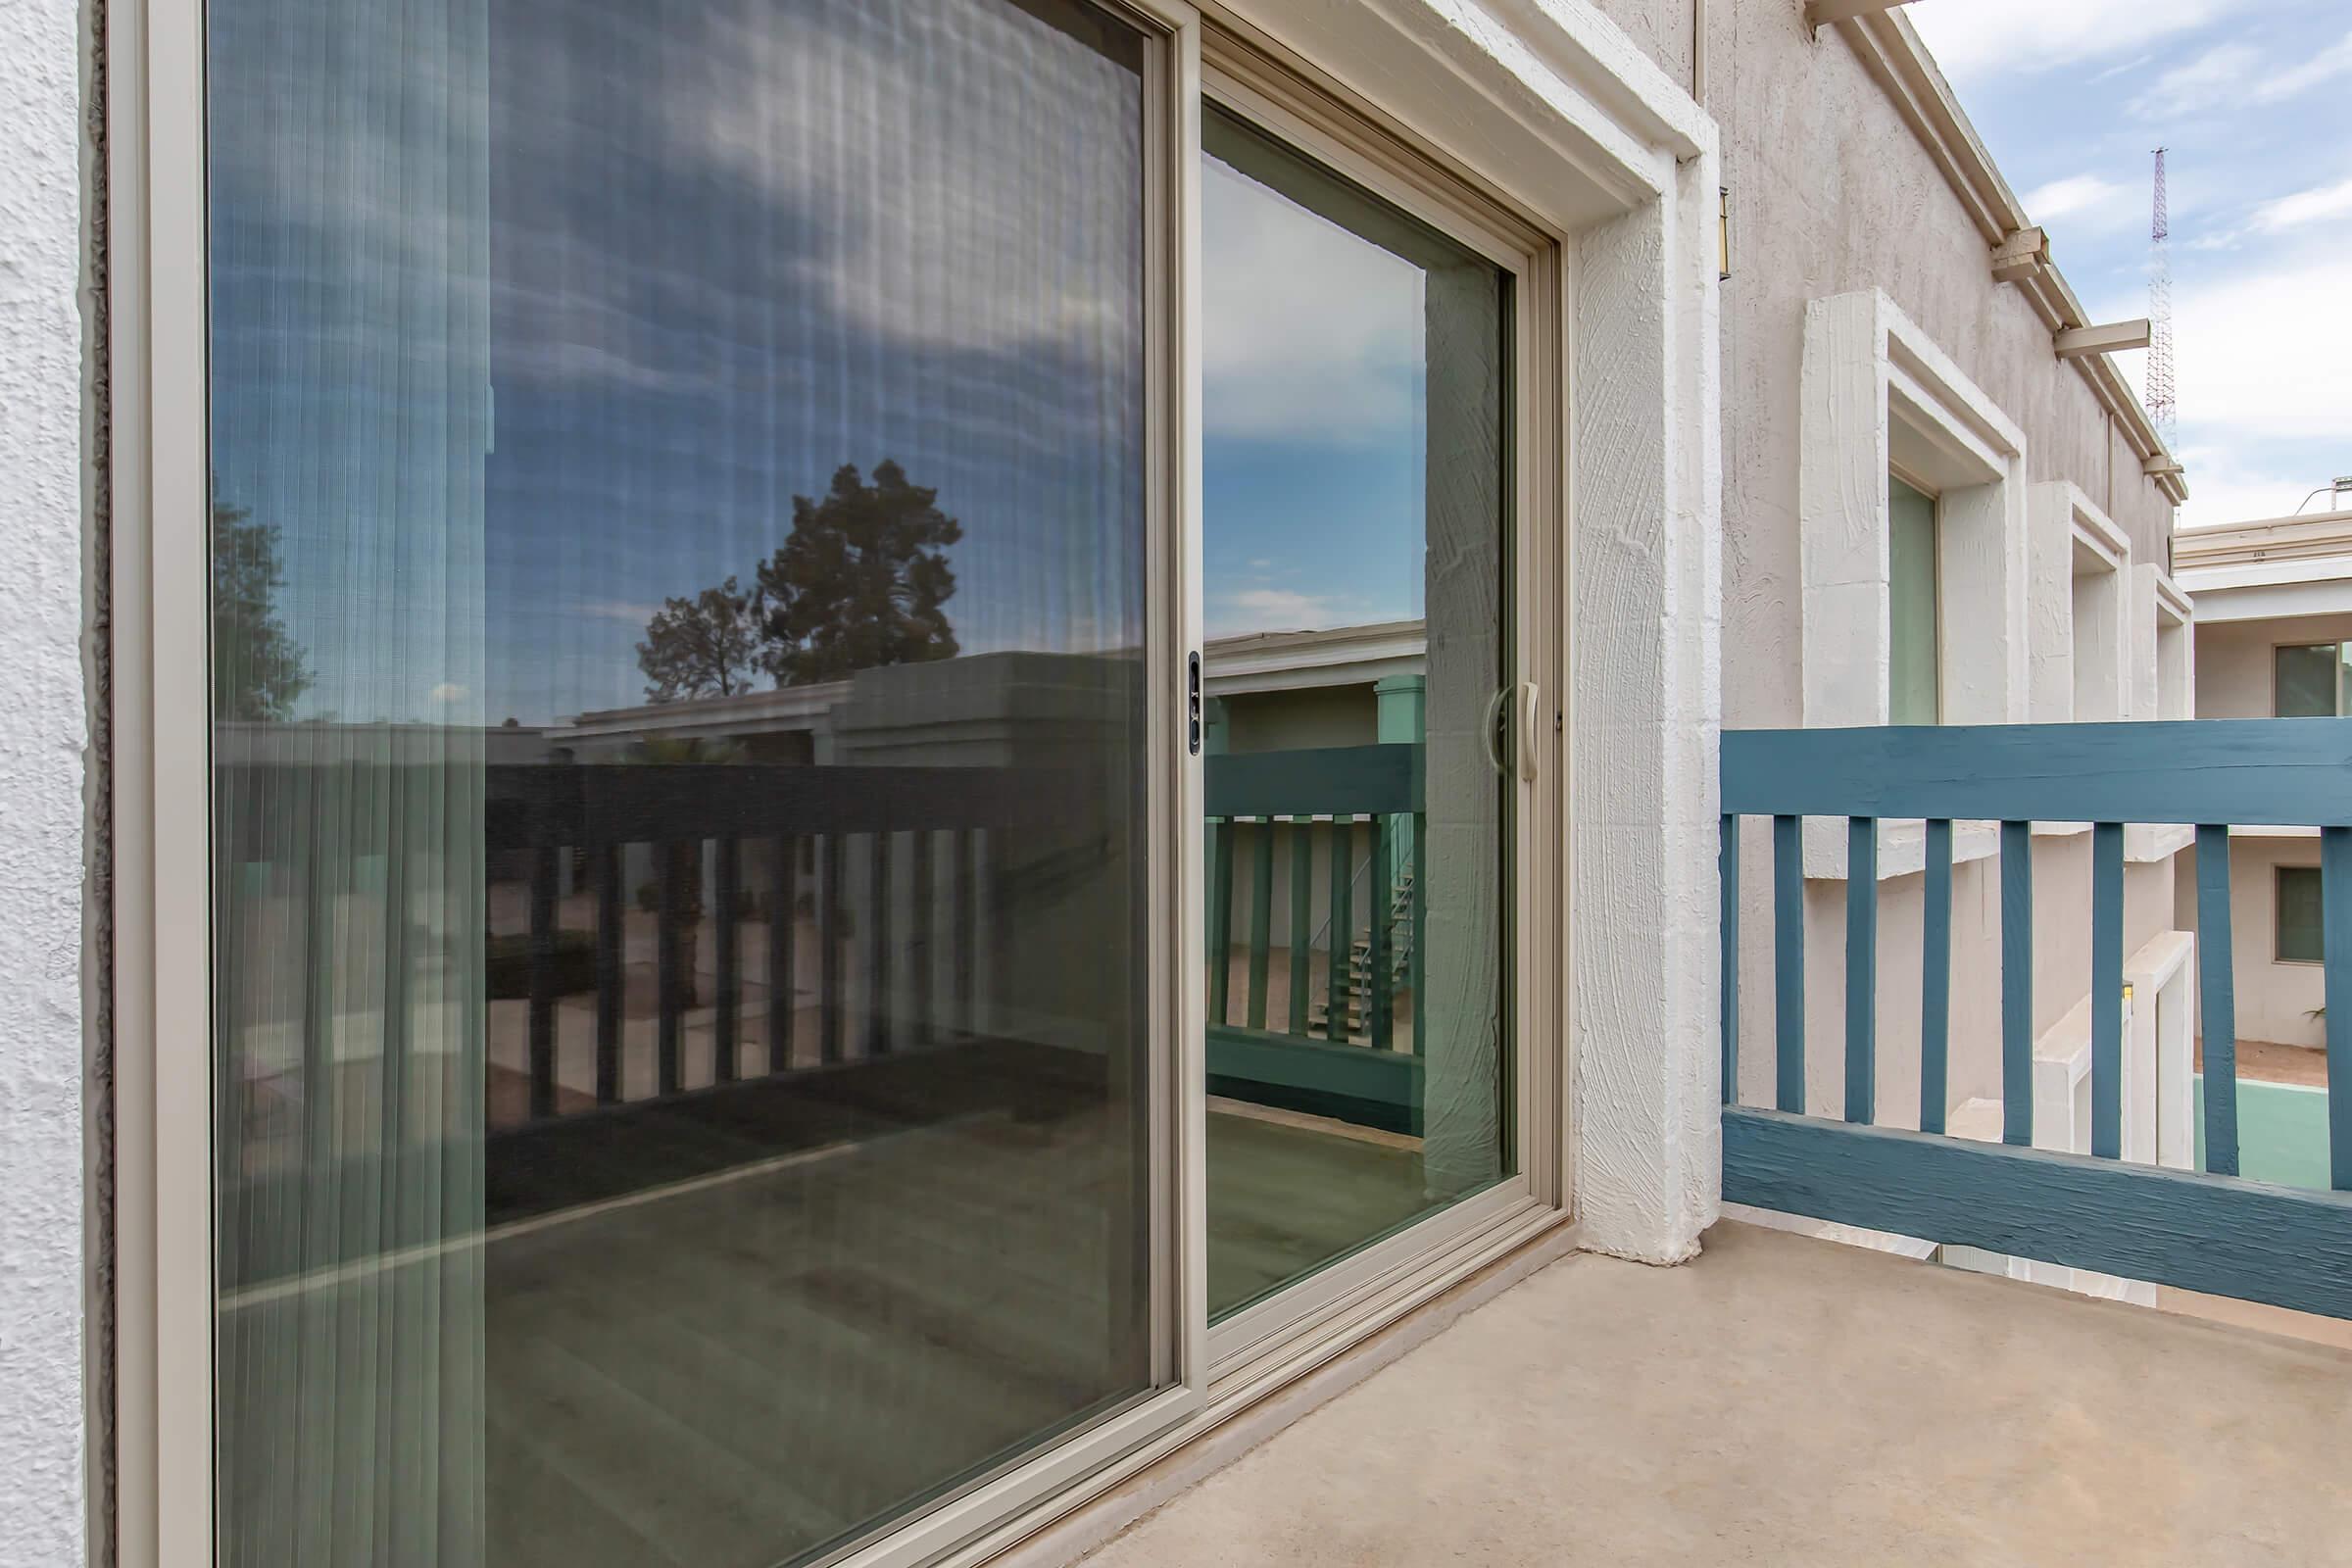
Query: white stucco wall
x=43 y=738
x=1833 y=196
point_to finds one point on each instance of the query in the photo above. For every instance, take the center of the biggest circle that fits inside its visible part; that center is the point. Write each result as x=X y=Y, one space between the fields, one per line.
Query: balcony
x=1783 y=1399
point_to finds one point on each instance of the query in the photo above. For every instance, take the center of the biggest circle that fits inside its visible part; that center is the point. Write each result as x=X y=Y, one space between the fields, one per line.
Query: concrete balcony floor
x=1783 y=1399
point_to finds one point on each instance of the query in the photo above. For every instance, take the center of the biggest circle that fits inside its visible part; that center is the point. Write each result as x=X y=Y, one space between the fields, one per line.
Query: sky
x=510 y=356
x=2252 y=100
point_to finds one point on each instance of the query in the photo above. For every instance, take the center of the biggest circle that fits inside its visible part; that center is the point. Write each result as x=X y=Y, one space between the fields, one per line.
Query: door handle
x=1530 y=710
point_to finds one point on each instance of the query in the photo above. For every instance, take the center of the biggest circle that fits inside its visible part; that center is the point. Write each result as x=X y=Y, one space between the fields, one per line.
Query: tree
x=860 y=582
x=258 y=672
x=705 y=646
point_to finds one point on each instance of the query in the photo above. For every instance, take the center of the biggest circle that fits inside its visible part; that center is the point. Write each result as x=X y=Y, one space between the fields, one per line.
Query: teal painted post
x=2336 y=927
x=1403 y=701
x=2017 y=982
x=1220 y=918
x=1789 y=963
x=2217 y=1000
x=1302 y=915
x=1343 y=928
x=1261 y=916
x=1861 y=969
x=1377 y=946
x=1935 y=980
x=1727 y=873
x=2107 y=990
x=1420 y=944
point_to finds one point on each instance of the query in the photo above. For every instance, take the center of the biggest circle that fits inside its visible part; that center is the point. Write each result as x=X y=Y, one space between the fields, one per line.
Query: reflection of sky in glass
x=1313 y=386
x=704 y=255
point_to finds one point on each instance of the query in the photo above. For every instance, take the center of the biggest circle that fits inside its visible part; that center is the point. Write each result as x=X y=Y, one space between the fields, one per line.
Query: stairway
x=1359 y=969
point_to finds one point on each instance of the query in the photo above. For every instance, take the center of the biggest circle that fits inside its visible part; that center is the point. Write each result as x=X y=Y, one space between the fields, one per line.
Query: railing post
x=726 y=880
x=611 y=914
x=1302 y=917
x=1861 y=969
x=1789 y=963
x=2217 y=1000
x=2107 y=990
x=1935 y=979
x=2335 y=915
x=783 y=900
x=1727 y=875
x=543 y=983
x=1261 y=916
x=2017 y=982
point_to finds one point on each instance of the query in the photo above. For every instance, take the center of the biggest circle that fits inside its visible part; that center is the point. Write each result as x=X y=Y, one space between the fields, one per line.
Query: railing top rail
x=1330 y=781
x=2294 y=772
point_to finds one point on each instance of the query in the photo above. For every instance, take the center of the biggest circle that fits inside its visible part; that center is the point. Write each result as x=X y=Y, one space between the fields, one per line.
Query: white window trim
x=2065 y=524
x=1880 y=397
x=2154 y=603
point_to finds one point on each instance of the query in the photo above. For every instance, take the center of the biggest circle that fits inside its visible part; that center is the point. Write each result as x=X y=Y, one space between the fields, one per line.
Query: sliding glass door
x=692 y=763
x=1360 y=656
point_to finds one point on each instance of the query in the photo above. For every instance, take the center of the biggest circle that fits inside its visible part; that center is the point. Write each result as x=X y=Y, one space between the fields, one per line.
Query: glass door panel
x=683 y=846
x=1357 y=665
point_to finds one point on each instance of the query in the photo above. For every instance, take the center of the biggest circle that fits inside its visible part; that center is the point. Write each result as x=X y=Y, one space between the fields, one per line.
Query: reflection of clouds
x=1308 y=331
x=1272 y=610
x=970 y=174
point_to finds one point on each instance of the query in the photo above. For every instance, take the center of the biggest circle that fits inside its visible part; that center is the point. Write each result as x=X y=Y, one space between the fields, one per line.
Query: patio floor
x=1786 y=1399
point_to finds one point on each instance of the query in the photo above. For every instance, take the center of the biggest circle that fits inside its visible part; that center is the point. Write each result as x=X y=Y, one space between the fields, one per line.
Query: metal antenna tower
x=2160 y=315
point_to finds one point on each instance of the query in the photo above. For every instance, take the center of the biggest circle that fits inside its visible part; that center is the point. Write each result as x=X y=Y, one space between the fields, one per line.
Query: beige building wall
x=1832 y=193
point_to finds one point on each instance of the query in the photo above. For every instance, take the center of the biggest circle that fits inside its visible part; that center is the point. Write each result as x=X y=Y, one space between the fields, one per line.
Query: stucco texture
x=43 y=742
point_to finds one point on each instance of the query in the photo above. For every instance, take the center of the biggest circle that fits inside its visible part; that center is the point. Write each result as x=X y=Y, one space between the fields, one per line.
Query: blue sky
x=2253 y=101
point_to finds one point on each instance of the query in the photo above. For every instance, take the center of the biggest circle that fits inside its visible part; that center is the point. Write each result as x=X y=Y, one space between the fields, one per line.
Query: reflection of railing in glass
x=1356 y=812
x=871 y=866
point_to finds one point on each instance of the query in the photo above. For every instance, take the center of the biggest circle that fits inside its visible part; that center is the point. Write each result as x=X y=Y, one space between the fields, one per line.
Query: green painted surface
x=1913 y=600
x=2282 y=1133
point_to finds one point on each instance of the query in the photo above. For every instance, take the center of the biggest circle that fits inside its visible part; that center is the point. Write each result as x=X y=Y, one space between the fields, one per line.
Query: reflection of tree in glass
x=705 y=646
x=861 y=581
x=258 y=672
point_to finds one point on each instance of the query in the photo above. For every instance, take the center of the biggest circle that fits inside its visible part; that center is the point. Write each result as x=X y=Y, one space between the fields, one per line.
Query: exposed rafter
x=2075 y=342
x=1892 y=53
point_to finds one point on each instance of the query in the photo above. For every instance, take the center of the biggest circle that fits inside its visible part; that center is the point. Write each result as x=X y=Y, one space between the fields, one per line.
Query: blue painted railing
x=2212 y=1232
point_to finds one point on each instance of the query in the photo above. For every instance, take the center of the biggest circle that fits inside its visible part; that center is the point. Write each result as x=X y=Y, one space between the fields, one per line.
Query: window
x=692 y=940
x=1915 y=646
x=2300 y=936
x=1352 y=350
x=685 y=981
x=2310 y=680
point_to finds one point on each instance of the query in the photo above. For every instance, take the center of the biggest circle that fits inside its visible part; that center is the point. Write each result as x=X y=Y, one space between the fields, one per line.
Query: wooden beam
x=2080 y=342
x=2217 y=1234
x=2021 y=256
x=1819 y=13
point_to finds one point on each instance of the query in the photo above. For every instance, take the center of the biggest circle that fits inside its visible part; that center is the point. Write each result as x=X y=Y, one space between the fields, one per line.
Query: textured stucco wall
x=1831 y=193
x=43 y=738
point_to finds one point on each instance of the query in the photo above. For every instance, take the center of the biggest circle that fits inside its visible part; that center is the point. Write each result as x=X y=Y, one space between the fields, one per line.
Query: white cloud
x=447 y=693
x=1986 y=37
x=617 y=610
x=2261 y=354
x=2224 y=488
x=2303 y=207
x=2326 y=66
x=2074 y=194
x=921 y=169
x=2234 y=75
x=1263 y=609
x=2217 y=76
x=1311 y=332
